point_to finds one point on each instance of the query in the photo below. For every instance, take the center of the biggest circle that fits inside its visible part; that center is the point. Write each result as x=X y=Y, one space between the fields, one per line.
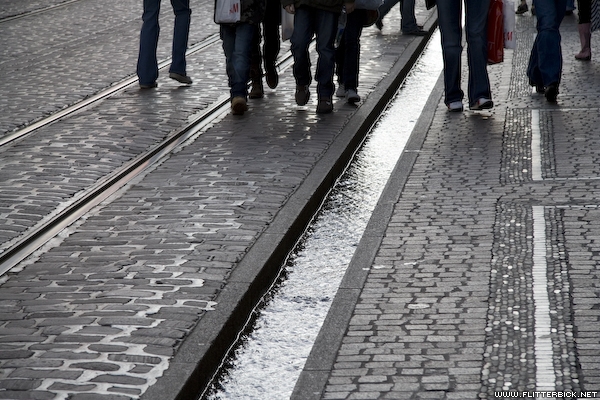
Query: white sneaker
x=341 y=91
x=352 y=97
x=455 y=106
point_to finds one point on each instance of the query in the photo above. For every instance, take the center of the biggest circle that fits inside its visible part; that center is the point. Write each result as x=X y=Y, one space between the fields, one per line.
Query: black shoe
x=522 y=9
x=551 y=92
x=148 y=85
x=418 y=32
x=302 y=94
x=180 y=78
x=272 y=78
x=325 y=105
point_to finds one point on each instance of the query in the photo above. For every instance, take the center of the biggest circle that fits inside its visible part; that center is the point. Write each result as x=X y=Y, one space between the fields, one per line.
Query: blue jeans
x=309 y=21
x=449 y=17
x=147 y=65
x=237 y=45
x=408 y=23
x=347 y=55
x=545 y=61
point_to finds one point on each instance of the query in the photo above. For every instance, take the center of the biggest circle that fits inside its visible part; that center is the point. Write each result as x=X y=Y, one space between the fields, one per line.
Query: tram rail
x=37 y=11
x=18 y=134
x=35 y=237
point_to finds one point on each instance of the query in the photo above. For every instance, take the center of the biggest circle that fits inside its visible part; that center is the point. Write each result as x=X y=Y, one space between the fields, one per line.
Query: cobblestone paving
x=74 y=51
x=102 y=309
x=450 y=307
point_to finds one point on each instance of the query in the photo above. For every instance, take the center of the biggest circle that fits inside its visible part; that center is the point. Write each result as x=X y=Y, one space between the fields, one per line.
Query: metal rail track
x=38 y=11
x=71 y=211
x=18 y=134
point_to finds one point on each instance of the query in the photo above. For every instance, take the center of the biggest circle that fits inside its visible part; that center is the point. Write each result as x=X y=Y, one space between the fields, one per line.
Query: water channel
x=271 y=353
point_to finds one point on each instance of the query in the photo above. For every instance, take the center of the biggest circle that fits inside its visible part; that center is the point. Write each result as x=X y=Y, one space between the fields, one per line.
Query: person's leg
x=584 y=28
x=449 y=18
x=550 y=14
x=256 y=73
x=408 y=23
x=476 y=35
x=237 y=45
x=300 y=40
x=340 y=60
x=585 y=11
x=352 y=33
x=147 y=65
x=325 y=29
x=384 y=9
x=181 y=31
x=271 y=36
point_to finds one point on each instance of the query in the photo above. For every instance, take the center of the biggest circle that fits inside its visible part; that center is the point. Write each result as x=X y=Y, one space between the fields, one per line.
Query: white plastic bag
x=508 y=14
x=227 y=11
x=287 y=25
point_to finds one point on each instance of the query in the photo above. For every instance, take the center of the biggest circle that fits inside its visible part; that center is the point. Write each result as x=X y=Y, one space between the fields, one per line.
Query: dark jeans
x=450 y=23
x=147 y=65
x=271 y=41
x=347 y=55
x=237 y=45
x=408 y=23
x=545 y=61
x=309 y=21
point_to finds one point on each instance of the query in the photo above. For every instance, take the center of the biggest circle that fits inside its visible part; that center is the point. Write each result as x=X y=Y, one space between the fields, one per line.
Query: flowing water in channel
x=271 y=354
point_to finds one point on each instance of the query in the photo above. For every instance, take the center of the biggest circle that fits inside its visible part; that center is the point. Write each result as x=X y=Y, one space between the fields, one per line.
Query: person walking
x=585 y=31
x=270 y=50
x=545 y=61
x=238 y=43
x=147 y=64
x=315 y=17
x=408 y=21
x=347 y=56
x=449 y=17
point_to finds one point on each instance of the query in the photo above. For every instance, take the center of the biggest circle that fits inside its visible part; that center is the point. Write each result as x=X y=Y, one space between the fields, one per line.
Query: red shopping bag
x=495 y=33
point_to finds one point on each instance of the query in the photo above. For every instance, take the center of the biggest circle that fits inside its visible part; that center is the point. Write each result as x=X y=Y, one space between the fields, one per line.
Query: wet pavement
x=142 y=296
x=478 y=271
x=478 y=275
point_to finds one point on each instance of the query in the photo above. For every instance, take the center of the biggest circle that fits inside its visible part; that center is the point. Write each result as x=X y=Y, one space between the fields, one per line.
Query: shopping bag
x=227 y=11
x=287 y=25
x=495 y=33
x=508 y=17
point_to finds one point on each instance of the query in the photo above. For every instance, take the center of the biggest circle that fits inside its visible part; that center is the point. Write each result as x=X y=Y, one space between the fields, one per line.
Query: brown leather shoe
x=238 y=105
x=257 y=91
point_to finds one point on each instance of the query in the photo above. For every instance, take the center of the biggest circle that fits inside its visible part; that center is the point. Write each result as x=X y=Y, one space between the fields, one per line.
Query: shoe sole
x=180 y=78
